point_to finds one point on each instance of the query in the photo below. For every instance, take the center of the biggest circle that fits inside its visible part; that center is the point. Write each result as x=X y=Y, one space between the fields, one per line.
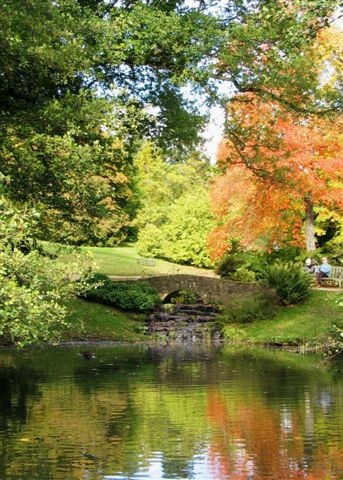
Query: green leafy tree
x=33 y=286
x=174 y=218
x=272 y=52
x=77 y=80
x=74 y=178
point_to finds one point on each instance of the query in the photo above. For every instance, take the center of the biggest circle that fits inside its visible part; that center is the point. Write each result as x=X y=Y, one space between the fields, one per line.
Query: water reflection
x=141 y=412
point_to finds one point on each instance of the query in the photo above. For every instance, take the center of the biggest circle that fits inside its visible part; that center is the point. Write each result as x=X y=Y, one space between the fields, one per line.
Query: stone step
x=195 y=316
x=195 y=307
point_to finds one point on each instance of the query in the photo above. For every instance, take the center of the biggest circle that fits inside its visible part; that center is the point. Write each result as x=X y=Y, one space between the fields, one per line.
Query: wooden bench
x=146 y=261
x=335 y=279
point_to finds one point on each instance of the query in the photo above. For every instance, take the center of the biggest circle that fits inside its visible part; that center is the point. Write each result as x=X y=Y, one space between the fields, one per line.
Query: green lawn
x=310 y=322
x=122 y=261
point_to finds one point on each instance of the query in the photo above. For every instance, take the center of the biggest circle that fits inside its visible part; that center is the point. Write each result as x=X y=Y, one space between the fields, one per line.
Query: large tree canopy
x=283 y=166
x=82 y=80
x=53 y=49
x=278 y=171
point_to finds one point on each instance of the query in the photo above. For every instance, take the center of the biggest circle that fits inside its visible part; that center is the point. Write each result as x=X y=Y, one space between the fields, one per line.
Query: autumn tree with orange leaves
x=277 y=168
x=281 y=159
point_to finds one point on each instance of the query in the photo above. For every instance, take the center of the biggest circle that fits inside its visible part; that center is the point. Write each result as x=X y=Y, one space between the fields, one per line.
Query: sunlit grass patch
x=92 y=321
x=301 y=323
x=124 y=261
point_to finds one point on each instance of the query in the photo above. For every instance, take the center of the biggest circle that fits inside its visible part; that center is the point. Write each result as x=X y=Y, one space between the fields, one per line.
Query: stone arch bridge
x=209 y=289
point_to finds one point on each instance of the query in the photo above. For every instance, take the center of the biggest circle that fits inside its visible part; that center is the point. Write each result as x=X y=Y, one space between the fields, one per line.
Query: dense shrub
x=244 y=274
x=291 y=283
x=247 y=310
x=282 y=254
x=227 y=266
x=335 y=340
x=34 y=287
x=242 y=266
x=334 y=251
x=139 y=296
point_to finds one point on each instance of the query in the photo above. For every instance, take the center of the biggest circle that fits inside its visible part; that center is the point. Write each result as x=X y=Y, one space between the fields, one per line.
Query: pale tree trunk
x=309 y=224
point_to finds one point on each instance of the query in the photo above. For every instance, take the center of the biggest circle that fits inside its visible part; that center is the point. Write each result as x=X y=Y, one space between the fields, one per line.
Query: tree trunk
x=309 y=224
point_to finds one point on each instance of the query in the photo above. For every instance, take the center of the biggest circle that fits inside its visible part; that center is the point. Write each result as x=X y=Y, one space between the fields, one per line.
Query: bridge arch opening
x=183 y=296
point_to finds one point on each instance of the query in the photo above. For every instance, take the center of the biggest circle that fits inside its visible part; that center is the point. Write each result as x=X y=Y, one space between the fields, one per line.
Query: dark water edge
x=324 y=352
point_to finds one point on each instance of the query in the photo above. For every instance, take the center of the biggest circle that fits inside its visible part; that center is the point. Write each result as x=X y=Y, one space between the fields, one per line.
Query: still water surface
x=136 y=412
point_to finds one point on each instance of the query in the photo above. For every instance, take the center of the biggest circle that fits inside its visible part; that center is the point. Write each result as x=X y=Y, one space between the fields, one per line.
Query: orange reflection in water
x=253 y=441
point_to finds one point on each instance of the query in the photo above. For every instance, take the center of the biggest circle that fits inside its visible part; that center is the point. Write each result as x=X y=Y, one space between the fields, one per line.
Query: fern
x=291 y=283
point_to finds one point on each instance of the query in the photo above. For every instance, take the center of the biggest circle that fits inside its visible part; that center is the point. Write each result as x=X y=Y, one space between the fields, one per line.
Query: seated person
x=323 y=271
x=309 y=266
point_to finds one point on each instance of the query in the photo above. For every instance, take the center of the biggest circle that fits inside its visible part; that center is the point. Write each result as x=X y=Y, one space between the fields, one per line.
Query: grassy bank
x=308 y=323
x=92 y=321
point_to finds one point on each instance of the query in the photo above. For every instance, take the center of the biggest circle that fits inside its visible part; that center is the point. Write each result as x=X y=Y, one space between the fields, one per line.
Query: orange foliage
x=272 y=161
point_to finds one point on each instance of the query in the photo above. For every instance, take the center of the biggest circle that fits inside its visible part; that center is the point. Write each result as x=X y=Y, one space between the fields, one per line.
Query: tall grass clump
x=291 y=283
x=246 y=310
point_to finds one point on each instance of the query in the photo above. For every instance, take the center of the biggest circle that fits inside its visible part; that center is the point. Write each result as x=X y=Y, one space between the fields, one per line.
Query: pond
x=140 y=412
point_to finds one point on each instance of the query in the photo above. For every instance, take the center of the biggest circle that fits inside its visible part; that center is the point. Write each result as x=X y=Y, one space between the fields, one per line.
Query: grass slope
x=92 y=321
x=122 y=261
x=309 y=322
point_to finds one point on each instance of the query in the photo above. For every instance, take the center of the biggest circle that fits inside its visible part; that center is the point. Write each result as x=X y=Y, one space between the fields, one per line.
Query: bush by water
x=138 y=297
